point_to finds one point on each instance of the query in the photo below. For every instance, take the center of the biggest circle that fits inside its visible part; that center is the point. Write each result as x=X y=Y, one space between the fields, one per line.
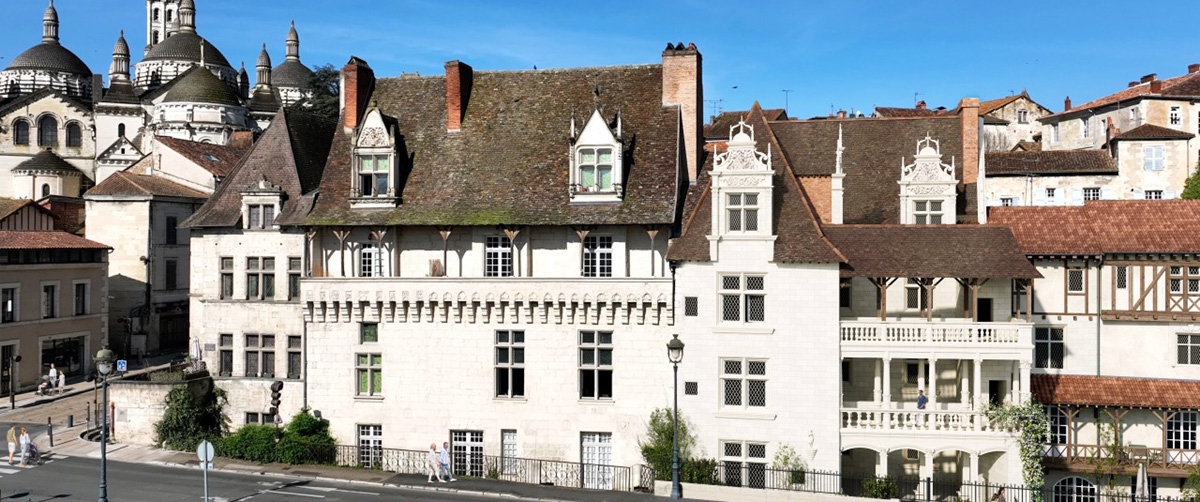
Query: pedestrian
x=921 y=400
x=24 y=446
x=12 y=442
x=431 y=463
x=62 y=381
x=999 y=496
x=444 y=459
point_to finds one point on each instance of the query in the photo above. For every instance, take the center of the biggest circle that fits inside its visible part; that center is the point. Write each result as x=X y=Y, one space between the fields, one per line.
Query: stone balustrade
x=892 y=420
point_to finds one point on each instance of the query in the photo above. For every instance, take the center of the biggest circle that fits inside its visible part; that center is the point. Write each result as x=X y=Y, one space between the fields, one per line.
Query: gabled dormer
x=742 y=187
x=597 y=169
x=261 y=201
x=375 y=179
x=928 y=188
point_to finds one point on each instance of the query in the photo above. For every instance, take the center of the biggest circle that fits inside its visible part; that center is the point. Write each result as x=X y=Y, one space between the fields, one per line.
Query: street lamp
x=104 y=366
x=675 y=355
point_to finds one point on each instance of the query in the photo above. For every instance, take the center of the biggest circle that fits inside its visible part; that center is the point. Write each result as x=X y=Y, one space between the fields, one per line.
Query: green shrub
x=701 y=471
x=880 y=488
x=188 y=420
x=787 y=459
x=255 y=443
x=295 y=450
x=657 y=445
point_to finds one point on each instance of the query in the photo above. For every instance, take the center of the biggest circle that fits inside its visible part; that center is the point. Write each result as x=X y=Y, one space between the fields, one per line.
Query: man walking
x=444 y=459
x=12 y=442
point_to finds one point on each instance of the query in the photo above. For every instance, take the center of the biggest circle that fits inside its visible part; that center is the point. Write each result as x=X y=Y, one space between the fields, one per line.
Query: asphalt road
x=77 y=479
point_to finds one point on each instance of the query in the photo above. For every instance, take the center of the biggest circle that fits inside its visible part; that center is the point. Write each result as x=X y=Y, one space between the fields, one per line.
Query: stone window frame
x=741 y=212
x=594 y=368
x=370 y=365
x=743 y=463
x=745 y=294
x=259 y=274
x=748 y=375
x=597 y=256
x=496 y=261
x=510 y=362
x=1046 y=340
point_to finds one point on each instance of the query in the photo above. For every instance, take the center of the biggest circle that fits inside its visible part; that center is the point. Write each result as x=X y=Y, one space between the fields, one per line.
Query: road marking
x=298 y=494
x=328 y=489
x=9 y=471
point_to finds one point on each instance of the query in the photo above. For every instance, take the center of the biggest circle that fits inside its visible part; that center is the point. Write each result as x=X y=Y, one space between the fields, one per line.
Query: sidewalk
x=75 y=386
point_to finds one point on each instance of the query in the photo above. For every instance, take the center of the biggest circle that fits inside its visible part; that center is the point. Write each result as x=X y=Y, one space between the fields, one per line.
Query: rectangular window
x=508 y=452
x=81 y=298
x=1152 y=158
x=49 y=301
x=1181 y=431
x=1054 y=133
x=294 y=273
x=1188 y=349
x=253 y=418
x=1135 y=115
x=294 y=363
x=912 y=373
x=255 y=216
x=370 y=260
x=368 y=332
x=1049 y=193
x=1058 y=425
x=691 y=388
x=744 y=464
x=743 y=298
x=1091 y=193
x=226 y=277
x=510 y=363
x=1022 y=116
x=595 y=365
x=597 y=256
x=742 y=210
x=927 y=212
x=370 y=445
x=226 y=365
x=171 y=274
x=845 y=371
x=691 y=306
x=252 y=355
x=1075 y=280
x=1153 y=194
x=1176 y=116
x=373 y=176
x=268 y=215
x=1122 y=273
x=1085 y=127
x=260 y=278
x=370 y=374
x=498 y=261
x=744 y=383
x=915 y=296
x=1006 y=201
x=1048 y=348
x=844 y=294
x=595 y=169
x=1176 y=279
x=8 y=305
x=268 y=356
x=172 y=231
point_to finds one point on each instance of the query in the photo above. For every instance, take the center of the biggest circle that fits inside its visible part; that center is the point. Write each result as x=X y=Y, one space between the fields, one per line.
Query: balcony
x=894 y=420
x=1159 y=461
x=489 y=299
x=1006 y=340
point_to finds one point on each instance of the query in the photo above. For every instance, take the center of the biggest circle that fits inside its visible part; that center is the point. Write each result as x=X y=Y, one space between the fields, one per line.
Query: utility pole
x=786 y=95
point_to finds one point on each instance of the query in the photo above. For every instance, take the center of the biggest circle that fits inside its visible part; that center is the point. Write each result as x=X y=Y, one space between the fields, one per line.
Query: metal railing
x=511 y=469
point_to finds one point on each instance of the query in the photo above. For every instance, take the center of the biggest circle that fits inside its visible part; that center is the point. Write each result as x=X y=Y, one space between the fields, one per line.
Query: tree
x=1191 y=187
x=657 y=446
x=322 y=93
x=191 y=418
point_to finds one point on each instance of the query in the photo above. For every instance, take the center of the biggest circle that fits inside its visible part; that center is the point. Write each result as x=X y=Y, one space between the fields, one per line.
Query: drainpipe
x=306 y=271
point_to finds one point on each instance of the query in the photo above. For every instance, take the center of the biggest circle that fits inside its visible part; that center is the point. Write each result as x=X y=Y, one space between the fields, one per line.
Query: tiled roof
x=799 y=238
x=291 y=73
x=1027 y=146
x=896 y=112
x=50 y=56
x=718 y=128
x=874 y=148
x=1187 y=85
x=1054 y=162
x=958 y=251
x=509 y=162
x=47 y=160
x=45 y=239
x=185 y=46
x=1107 y=226
x=1122 y=392
x=290 y=154
x=127 y=183
x=1151 y=131
x=199 y=85
x=10 y=206
x=216 y=159
x=991 y=105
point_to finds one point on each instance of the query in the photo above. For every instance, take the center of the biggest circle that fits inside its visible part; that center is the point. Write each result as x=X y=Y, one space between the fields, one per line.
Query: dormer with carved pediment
x=260 y=203
x=928 y=187
x=742 y=187
x=597 y=167
x=375 y=178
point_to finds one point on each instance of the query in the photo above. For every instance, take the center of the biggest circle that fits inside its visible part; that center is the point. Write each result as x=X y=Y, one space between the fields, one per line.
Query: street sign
x=122 y=365
x=205 y=451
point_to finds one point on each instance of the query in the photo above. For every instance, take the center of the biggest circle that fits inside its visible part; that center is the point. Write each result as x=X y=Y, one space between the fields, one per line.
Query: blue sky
x=832 y=55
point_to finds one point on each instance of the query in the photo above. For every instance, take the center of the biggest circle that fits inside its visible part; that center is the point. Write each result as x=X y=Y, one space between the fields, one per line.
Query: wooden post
x=512 y=233
x=341 y=235
x=445 y=233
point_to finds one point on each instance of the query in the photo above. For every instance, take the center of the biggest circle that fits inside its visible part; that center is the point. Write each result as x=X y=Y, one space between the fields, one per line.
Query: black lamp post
x=104 y=367
x=675 y=355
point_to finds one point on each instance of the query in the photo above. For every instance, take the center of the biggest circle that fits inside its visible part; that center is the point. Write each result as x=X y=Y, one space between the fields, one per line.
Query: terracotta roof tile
x=48 y=239
x=1020 y=163
x=959 y=251
x=1182 y=86
x=1151 y=131
x=1107 y=226
x=216 y=159
x=127 y=183
x=1116 y=391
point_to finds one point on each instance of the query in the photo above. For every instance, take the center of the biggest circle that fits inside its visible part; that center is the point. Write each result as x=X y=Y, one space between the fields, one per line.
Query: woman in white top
x=431 y=463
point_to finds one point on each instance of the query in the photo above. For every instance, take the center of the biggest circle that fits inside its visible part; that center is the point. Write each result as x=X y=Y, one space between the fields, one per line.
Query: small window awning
x=930 y=251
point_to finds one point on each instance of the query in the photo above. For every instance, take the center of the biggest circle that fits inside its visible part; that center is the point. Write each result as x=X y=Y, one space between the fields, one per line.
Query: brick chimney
x=459 y=77
x=1149 y=78
x=1133 y=83
x=683 y=86
x=1193 y=68
x=1067 y=103
x=358 y=82
x=841 y=114
x=969 y=117
x=921 y=104
x=1156 y=86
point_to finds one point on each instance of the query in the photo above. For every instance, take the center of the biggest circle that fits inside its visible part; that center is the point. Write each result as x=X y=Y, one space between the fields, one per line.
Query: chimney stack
x=1156 y=86
x=682 y=86
x=1149 y=78
x=969 y=116
x=1193 y=68
x=1133 y=83
x=358 y=81
x=921 y=105
x=841 y=114
x=458 y=92
x=1067 y=103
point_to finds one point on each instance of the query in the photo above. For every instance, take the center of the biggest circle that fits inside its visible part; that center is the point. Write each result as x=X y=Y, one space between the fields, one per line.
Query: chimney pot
x=1194 y=67
x=1155 y=86
x=1067 y=103
x=458 y=92
x=1149 y=78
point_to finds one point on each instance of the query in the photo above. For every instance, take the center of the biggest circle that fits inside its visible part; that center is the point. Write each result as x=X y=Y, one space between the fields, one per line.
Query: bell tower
x=160 y=15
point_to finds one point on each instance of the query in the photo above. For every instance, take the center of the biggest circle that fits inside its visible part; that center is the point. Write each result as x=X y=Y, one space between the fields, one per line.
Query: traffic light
x=276 y=386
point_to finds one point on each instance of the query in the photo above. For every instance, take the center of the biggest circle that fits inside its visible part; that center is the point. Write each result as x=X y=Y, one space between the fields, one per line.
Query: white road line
x=328 y=489
x=298 y=494
x=9 y=471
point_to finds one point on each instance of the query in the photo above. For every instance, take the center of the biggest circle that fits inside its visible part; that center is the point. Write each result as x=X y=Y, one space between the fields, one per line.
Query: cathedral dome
x=185 y=46
x=199 y=85
x=291 y=73
x=50 y=56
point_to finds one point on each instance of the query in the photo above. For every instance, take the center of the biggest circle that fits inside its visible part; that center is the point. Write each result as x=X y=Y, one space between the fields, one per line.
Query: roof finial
x=202 y=53
x=840 y=148
x=293 y=44
x=50 y=25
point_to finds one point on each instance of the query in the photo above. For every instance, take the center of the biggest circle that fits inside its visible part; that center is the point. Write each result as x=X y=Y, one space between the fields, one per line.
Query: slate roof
x=959 y=251
x=185 y=46
x=718 y=128
x=199 y=85
x=508 y=163
x=1183 y=86
x=47 y=160
x=50 y=56
x=216 y=159
x=127 y=183
x=1125 y=392
x=290 y=154
x=799 y=237
x=45 y=239
x=897 y=112
x=265 y=101
x=1151 y=132
x=291 y=73
x=874 y=148
x=10 y=206
x=1106 y=226
x=1049 y=162
x=120 y=93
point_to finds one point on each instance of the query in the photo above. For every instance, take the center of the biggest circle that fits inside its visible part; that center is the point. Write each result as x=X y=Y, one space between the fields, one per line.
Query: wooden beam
x=1148 y=288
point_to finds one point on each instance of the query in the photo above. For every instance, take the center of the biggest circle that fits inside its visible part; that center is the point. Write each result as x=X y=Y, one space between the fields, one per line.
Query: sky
x=831 y=55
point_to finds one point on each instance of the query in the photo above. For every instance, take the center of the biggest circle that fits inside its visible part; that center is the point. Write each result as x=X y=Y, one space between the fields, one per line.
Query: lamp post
x=675 y=355
x=104 y=366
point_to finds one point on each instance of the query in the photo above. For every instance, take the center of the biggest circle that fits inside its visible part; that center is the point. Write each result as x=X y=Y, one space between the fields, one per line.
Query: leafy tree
x=190 y=419
x=657 y=447
x=1191 y=187
x=323 y=90
x=1191 y=486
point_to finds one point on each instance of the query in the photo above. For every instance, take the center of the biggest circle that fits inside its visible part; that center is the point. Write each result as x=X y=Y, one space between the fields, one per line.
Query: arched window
x=156 y=14
x=154 y=38
x=169 y=16
x=20 y=132
x=74 y=135
x=45 y=189
x=47 y=131
x=121 y=130
x=1074 y=489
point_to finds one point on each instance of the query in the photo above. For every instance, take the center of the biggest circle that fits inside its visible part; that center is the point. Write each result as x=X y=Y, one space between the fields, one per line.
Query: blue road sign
x=122 y=365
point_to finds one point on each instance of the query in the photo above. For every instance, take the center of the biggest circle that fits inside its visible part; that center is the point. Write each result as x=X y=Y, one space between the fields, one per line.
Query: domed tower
x=119 y=117
x=291 y=77
x=265 y=102
x=47 y=64
x=181 y=51
x=200 y=107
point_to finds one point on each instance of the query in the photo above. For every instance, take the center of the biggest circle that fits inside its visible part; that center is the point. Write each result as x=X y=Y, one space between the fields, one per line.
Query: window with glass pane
x=1058 y=425
x=744 y=464
x=369 y=262
x=226 y=277
x=1075 y=280
x=595 y=364
x=368 y=332
x=1152 y=158
x=743 y=298
x=255 y=216
x=370 y=374
x=47 y=131
x=293 y=361
x=171 y=274
x=252 y=355
x=373 y=175
x=1091 y=193
x=268 y=278
x=8 y=305
x=596 y=169
x=268 y=356
x=510 y=363
x=1181 y=431
x=1122 y=273
x=1153 y=194
x=597 y=256
x=508 y=451
x=1188 y=349
x=742 y=211
x=1048 y=347
x=253 y=274
x=1084 y=127
x=294 y=273
x=226 y=364
x=49 y=301
x=172 y=231
x=744 y=383
x=498 y=257
x=20 y=132
x=81 y=299
x=1176 y=116
x=927 y=212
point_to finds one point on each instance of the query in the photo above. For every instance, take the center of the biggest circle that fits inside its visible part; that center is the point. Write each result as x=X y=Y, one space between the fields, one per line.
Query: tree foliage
x=322 y=93
x=787 y=459
x=305 y=440
x=1191 y=187
x=657 y=445
x=1191 y=486
x=188 y=419
x=1031 y=423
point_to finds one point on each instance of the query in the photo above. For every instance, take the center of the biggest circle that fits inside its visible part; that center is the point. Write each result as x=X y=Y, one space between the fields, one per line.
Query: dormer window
x=260 y=203
x=743 y=211
x=260 y=216
x=596 y=167
x=373 y=174
x=374 y=178
x=595 y=170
